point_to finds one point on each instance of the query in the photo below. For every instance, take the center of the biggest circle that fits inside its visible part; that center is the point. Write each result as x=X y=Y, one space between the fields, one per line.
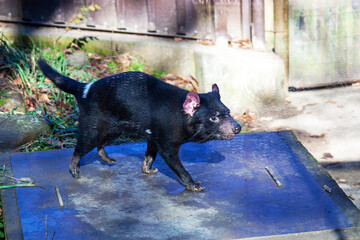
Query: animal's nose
x=237 y=128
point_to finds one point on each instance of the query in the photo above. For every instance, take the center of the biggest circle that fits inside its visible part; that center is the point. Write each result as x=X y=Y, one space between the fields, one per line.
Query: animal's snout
x=237 y=128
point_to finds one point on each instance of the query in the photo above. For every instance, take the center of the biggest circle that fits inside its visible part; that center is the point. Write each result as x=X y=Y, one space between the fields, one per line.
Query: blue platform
x=241 y=199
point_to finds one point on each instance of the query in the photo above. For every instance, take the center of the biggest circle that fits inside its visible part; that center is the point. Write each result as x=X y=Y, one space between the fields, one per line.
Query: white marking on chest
x=86 y=89
x=148 y=131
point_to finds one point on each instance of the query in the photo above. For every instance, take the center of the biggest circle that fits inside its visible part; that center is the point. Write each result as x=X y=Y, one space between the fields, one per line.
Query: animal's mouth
x=228 y=136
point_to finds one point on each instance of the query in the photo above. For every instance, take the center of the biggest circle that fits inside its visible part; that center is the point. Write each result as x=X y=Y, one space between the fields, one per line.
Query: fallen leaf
x=68 y=51
x=317 y=136
x=341 y=180
x=170 y=77
x=246 y=117
x=245 y=44
x=327 y=156
x=331 y=101
x=195 y=84
x=30 y=101
x=3 y=109
x=18 y=81
x=47 y=81
x=94 y=56
x=75 y=46
x=44 y=98
x=205 y=42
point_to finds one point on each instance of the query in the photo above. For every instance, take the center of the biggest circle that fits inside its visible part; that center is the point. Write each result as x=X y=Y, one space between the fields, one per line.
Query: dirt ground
x=327 y=124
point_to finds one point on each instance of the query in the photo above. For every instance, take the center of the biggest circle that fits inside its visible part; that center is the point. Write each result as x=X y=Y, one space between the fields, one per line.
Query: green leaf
x=92 y=8
x=76 y=20
x=97 y=6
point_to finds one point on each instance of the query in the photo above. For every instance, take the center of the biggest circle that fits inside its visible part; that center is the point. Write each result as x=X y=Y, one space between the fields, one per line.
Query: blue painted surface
x=119 y=202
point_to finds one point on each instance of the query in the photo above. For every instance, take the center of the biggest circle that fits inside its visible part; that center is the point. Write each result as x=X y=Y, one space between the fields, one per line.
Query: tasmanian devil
x=139 y=104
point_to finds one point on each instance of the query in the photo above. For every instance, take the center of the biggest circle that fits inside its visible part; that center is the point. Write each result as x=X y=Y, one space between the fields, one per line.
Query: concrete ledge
x=247 y=78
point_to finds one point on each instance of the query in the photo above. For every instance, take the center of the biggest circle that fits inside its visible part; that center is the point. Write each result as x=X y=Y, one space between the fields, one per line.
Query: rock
x=14 y=100
x=16 y=130
x=78 y=59
x=11 y=96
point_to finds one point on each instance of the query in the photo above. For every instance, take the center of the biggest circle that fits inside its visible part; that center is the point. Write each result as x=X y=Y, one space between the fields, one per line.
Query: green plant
x=43 y=98
x=78 y=43
x=112 y=66
x=2 y=96
x=135 y=66
x=159 y=74
x=83 y=13
x=60 y=108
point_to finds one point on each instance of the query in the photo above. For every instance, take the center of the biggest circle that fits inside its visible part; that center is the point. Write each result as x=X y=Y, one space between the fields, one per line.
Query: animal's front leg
x=150 y=156
x=171 y=157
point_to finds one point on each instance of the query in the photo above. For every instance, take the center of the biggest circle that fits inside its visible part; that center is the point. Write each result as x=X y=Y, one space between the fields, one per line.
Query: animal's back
x=135 y=90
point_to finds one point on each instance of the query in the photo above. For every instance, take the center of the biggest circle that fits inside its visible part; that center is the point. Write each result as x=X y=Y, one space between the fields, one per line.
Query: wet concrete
x=240 y=199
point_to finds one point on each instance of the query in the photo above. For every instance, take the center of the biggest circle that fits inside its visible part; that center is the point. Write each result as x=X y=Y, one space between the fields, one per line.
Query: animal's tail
x=64 y=83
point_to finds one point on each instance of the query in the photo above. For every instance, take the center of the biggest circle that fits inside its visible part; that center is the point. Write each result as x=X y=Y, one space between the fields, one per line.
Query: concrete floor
x=241 y=200
x=327 y=124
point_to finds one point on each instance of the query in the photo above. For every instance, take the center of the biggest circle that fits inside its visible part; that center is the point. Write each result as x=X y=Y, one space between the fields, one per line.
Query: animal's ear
x=215 y=88
x=192 y=102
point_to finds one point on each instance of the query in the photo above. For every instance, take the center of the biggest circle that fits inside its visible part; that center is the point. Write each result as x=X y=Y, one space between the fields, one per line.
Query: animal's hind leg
x=75 y=165
x=103 y=155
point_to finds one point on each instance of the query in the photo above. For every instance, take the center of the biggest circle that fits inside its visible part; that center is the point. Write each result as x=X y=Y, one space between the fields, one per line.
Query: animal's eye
x=214 y=119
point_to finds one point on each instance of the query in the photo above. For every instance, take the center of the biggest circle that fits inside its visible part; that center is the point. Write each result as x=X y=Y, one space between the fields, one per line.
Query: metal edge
x=10 y=206
x=319 y=235
x=99 y=29
x=322 y=177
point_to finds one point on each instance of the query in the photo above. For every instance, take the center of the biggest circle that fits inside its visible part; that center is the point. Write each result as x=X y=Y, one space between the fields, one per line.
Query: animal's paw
x=195 y=187
x=75 y=171
x=149 y=170
x=108 y=160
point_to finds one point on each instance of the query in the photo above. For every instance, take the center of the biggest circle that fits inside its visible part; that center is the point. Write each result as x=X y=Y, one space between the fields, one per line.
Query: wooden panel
x=10 y=9
x=203 y=19
x=324 y=42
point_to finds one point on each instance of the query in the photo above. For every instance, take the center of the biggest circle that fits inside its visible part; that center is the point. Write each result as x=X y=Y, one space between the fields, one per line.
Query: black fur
x=142 y=105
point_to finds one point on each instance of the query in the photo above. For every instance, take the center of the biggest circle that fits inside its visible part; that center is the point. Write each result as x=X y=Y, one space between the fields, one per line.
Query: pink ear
x=192 y=102
x=215 y=88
